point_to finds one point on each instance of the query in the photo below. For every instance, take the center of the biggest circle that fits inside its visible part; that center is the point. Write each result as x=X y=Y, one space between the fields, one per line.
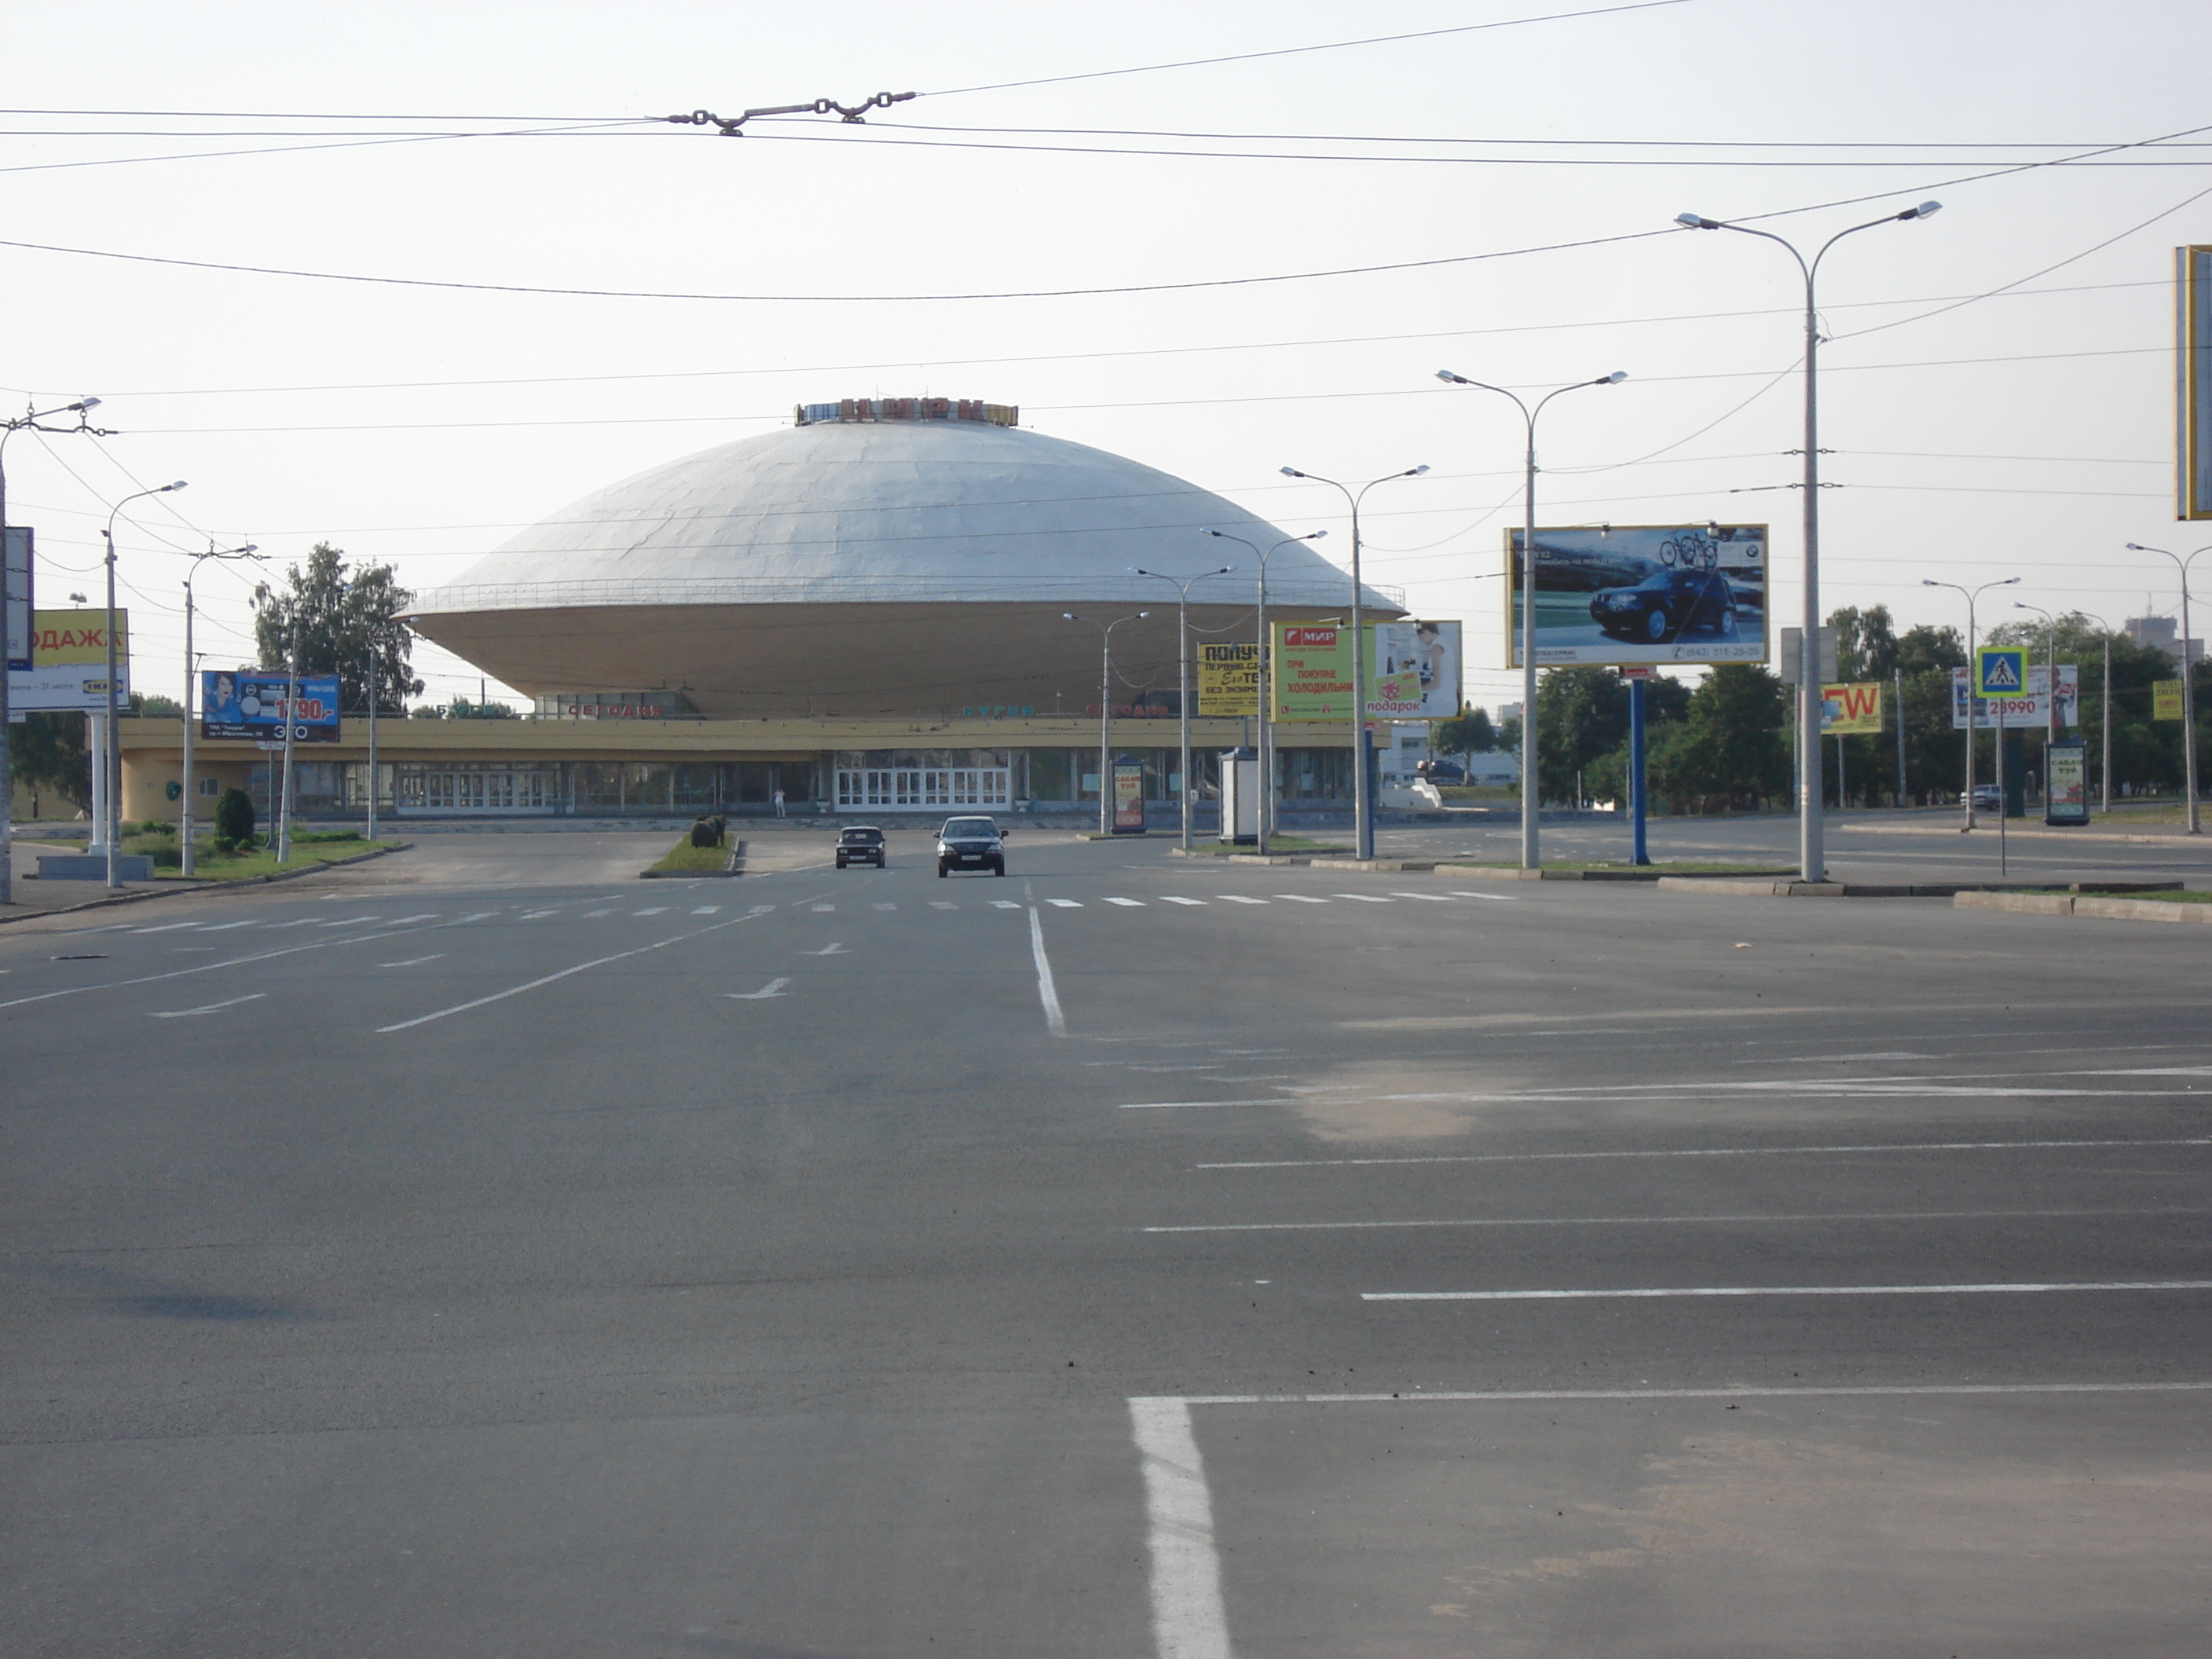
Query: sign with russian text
x=1850 y=710
x=2033 y=709
x=68 y=663
x=2066 y=799
x=1128 y=798
x=251 y=705
x=1229 y=678
x=1413 y=670
x=1313 y=674
x=2165 y=700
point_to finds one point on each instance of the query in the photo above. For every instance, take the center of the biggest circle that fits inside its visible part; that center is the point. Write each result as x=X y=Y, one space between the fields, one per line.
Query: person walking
x=778 y=802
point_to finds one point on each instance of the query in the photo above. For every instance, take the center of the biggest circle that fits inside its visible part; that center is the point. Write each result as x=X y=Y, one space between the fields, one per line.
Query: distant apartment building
x=2163 y=633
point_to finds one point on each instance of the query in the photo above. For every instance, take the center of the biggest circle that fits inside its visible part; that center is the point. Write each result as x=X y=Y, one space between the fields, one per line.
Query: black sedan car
x=861 y=844
x=1668 y=605
x=971 y=843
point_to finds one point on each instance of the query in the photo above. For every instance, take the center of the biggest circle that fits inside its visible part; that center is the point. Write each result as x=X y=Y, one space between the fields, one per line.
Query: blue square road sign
x=2001 y=671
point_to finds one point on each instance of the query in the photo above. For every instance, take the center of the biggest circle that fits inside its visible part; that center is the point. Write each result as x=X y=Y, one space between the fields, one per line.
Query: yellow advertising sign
x=70 y=639
x=1229 y=679
x=1313 y=674
x=2165 y=700
x=1849 y=710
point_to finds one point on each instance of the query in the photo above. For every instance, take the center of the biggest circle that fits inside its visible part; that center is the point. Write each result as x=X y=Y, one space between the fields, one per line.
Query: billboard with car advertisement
x=1412 y=671
x=1615 y=594
x=250 y=705
x=68 y=663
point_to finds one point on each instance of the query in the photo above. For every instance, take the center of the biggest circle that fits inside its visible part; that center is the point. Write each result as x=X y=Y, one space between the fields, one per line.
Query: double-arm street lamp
x=114 y=762
x=1530 y=856
x=1182 y=585
x=1266 y=759
x=1811 y=855
x=191 y=680
x=1105 y=709
x=26 y=422
x=1973 y=702
x=2188 y=678
x=1363 y=805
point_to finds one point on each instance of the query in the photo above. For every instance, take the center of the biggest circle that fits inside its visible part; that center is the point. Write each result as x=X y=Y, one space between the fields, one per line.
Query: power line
x=1292 y=51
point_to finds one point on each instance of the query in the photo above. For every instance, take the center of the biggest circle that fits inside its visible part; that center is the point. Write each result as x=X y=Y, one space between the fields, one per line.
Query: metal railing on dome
x=852 y=590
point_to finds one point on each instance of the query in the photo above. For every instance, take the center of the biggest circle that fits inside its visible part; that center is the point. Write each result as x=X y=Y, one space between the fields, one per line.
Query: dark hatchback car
x=971 y=844
x=1668 y=605
x=861 y=844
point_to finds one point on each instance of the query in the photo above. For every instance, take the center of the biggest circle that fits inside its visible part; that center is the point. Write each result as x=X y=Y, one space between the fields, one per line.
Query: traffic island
x=2103 y=903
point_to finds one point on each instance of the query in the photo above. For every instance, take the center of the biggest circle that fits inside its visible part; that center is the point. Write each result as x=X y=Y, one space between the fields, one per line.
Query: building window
x=210 y=787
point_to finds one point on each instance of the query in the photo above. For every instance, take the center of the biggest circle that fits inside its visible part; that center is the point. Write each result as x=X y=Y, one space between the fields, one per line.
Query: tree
x=335 y=620
x=49 y=751
x=1467 y=732
x=1730 y=751
x=1508 y=734
x=1866 y=643
x=155 y=706
x=1581 y=714
x=462 y=709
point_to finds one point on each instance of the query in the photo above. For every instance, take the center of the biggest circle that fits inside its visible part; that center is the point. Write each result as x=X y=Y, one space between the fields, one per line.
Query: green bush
x=304 y=835
x=233 y=817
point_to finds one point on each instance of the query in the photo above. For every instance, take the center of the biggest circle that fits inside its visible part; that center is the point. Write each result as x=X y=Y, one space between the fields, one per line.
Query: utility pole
x=1183 y=586
x=186 y=829
x=1900 y=673
x=291 y=719
x=26 y=422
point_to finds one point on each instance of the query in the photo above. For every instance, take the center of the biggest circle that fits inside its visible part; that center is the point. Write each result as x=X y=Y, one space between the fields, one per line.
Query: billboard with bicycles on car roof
x=1613 y=595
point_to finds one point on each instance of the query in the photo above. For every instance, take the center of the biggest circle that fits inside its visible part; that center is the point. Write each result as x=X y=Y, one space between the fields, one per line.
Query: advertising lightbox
x=1642 y=593
x=1850 y=710
x=250 y=706
x=68 y=663
x=1229 y=678
x=2033 y=708
x=1412 y=671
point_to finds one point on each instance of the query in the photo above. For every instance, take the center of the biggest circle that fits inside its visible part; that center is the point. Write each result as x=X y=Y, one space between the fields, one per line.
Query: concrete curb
x=2087 y=904
x=197 y=885
x=732 y=865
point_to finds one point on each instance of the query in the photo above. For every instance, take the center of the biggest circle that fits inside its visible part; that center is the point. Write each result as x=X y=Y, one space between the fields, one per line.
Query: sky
x=1497 y=199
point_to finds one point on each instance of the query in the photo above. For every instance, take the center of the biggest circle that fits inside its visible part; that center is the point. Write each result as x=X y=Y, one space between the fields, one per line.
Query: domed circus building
x=868 y=610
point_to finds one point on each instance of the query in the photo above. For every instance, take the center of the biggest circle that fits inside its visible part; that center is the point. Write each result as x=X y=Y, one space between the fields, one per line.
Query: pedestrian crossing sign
x=2001 y=671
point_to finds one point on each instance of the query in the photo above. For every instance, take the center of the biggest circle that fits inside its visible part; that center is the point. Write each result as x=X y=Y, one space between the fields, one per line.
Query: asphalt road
x=1128 y=1256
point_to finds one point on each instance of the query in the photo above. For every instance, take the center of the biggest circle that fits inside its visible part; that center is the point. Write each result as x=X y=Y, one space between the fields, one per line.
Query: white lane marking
x=1127 y=904
x=1170 y=898
x=598 y=913
x=547 y=978
x=706 y=909
x=1004 y=904
x=1433 y=898
x=1791 y=1290
x=1065 y=904
x=2139 y=1071
x=1055 y=1021
x=211 y=1008
x=414 y=962
x=942 y=904
x=1301 y=898
x=532 y=916
x=225 y=927
x=351 y=921
x=165 y=927
x=773 y=988
x=1812 y=1390
x=1664 y=1220
x=883 y=907
x=309 y=921
x=827 y=951
x=823 y=909
x=1364 y=898
x=426 y=915
x=1188 y=1620
x=473 y=915
x=650 y=910
x=1706 y=1152
x=1238 y=898
x=1495 y=898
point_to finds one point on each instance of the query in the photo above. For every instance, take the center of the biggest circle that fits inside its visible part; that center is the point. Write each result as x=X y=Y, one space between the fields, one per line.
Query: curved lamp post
x=1105 y=709
x=2188 y=680
x=1182 y=585
x=1811 y=855
x=1973 y=702
x=1266 y=764
x=112 y=764
x=1362 y=807
x=1530 y=853
x=191 y=678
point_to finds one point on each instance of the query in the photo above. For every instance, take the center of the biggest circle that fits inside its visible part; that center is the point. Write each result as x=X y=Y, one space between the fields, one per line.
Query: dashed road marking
x=1127 y=904
x=827 y=951
x=773 y=988
x=1301 y=898
x=1065 y=904
x=1172 y=898
x=211 y=1008
x=1004 y=904
x=414 y=962
x=1791 y=1290
x=1364 y=898
x=650 y=910
x=1238 y=898
x=706 y=909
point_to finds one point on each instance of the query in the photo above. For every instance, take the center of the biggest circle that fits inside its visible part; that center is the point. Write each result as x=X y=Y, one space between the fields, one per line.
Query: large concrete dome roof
x=933 y=511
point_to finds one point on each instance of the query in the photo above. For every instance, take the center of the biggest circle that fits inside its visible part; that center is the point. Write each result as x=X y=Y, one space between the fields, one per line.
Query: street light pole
x=1363 y=805
x=1812 y=852
x=1973 y=702
x=1105 y=709
x=1531 y=855
x=111 y=763
x=1183 y=586
x=26 y=422
x=2105 y=788
x=186 y=832
x=2188 y=680
x=1266 y=756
